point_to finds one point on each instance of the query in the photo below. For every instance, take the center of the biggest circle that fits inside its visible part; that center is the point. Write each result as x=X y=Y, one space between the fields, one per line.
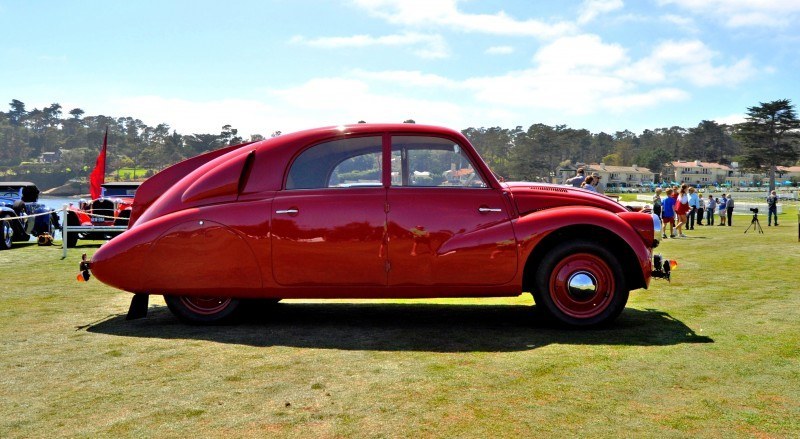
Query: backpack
x=45 y=239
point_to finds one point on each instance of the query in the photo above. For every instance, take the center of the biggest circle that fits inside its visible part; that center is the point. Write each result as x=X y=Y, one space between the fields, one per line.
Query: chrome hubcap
x=582 y=286
x=7 y=232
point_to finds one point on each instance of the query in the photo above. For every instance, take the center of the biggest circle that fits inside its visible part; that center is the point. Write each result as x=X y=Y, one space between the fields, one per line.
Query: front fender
x=539 y=231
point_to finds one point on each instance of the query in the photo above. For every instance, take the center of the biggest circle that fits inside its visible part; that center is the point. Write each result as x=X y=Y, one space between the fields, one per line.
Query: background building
x=611 y=177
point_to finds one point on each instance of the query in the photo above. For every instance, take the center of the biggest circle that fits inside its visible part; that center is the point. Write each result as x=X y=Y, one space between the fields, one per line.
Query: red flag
x=98 y=175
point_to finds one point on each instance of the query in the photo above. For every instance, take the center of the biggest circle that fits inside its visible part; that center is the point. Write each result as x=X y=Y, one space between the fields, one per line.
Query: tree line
x=514 y=153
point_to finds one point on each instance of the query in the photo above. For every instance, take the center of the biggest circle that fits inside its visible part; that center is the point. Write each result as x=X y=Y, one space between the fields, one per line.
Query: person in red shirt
x=681 y=209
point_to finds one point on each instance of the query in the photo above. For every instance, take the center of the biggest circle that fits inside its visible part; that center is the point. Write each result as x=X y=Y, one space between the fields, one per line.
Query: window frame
x=386 y=145
x=293 y=161
x=405 y=171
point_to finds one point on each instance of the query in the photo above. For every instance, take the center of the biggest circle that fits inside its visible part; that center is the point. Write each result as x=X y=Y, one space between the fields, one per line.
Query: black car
x=18 y=205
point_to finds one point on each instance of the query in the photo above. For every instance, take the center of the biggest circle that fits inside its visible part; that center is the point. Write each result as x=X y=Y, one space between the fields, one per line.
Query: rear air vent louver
x=549 y=188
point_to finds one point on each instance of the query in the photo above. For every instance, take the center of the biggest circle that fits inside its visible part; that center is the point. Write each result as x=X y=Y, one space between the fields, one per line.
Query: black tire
x=123 y=219
x=19 y=231
x=6 y=233
x=204 y=310
x=580 y=264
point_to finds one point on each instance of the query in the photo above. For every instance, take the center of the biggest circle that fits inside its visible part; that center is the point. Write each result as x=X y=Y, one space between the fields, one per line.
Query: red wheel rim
x=587 y=303
x=205 y=305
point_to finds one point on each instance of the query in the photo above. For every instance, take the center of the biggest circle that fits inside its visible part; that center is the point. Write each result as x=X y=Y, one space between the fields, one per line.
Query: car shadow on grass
x=406 y=327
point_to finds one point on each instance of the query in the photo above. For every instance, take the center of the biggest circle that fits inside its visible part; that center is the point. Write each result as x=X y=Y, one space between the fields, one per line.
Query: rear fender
x=191 y=252
x=539 y=232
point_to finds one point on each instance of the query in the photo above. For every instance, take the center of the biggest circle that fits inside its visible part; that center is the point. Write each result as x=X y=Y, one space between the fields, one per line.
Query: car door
x=446 y=226
x=328 y=224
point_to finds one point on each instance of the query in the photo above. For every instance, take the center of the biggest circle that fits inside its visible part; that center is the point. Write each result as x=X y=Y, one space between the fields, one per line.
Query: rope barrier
x=9 y=218
x=94 y=215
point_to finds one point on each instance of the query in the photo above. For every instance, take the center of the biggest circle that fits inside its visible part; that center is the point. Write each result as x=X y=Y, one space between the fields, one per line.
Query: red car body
x=279 y=219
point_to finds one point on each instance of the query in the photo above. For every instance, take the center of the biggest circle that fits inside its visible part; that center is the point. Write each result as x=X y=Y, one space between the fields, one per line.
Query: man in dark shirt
x=772 y=208
x=729 y=207
x=578 y=179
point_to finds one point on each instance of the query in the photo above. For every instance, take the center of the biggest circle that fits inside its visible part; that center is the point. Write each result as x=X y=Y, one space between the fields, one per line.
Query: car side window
x=432 y=162
x=343 y=163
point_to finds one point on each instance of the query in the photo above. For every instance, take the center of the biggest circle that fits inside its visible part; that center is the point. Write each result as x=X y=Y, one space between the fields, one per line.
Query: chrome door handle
x=488 y=209
x=287 y=212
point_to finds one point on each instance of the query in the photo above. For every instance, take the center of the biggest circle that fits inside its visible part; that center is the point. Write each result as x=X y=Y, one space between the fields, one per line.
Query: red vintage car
x=371 y=211
x=113 y=208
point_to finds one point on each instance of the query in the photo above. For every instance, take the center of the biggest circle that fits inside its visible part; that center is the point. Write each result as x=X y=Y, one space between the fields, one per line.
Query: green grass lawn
x=124 y=174
x=713 y=354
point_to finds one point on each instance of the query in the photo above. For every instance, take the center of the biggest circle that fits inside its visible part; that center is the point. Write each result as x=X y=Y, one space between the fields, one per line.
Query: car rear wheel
x=581 y=283
x=6 y=233
x=204 y=310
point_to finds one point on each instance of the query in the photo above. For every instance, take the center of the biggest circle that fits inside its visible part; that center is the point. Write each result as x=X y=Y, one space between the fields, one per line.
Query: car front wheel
x=6 y=234
x=204 y=310
x=581 y=283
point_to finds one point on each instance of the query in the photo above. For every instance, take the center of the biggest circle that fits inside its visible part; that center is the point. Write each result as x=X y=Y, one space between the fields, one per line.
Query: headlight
x=656 y=227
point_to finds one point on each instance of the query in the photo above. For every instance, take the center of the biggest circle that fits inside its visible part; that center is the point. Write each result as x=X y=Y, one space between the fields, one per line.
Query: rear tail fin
x=151 y=189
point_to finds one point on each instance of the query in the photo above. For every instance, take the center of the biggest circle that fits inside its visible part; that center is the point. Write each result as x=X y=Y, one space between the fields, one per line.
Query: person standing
x=668 y=213
x=596 y=183
x=701 y=205
x=721 y=204
x=692 y=208
x=729 y=208
x=657 y=211
x=772 y=208
x=657 y=202
x=681 y=209
x=578 y=179
x=711 y=210
x=588 y=184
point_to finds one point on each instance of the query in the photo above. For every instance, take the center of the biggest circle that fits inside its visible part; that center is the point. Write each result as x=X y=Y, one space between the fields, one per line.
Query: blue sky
x=262 y=66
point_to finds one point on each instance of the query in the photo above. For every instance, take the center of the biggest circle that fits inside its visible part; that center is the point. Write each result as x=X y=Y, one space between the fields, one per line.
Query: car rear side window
x=343 y=163
x=431 y=162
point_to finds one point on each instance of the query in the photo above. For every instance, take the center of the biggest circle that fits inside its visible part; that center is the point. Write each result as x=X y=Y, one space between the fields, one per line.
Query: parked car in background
x=113 y=208
x=21 y=214
x=371 y=211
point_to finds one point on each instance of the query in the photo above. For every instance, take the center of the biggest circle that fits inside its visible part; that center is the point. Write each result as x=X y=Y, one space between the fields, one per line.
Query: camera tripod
x=755 y=224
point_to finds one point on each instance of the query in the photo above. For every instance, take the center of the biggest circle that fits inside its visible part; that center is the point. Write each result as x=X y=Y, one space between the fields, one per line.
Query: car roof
x=275 y=153
x=17 y=183
x=122 y=184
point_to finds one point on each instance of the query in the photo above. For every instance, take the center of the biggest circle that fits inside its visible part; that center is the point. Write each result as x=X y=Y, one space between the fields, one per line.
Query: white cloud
x=446 y=13
x=730 y=119
x=188 y=116
x=648 y=99
x=427 y=46
x=332 y=101
x=407 y=78
x=680 y=21
x=691 y=61
x=592 y=8
x=499 y=50
x=573 y=77
x=744 y=13
x=582 y=51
